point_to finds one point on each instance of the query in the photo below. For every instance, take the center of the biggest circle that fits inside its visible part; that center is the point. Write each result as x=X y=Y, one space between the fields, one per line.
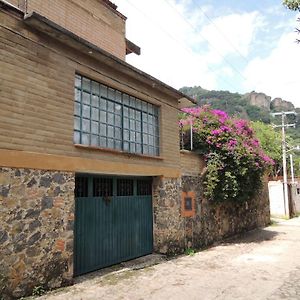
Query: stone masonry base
x=36 y=230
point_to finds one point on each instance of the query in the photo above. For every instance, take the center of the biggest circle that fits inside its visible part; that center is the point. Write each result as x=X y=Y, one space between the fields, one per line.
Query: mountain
x=252 y=106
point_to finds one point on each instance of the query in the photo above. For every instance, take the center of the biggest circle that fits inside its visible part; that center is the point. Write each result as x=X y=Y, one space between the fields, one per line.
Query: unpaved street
x=263 y=264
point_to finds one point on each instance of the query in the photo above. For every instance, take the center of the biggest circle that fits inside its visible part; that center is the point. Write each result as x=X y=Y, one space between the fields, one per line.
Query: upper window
x=107 y=118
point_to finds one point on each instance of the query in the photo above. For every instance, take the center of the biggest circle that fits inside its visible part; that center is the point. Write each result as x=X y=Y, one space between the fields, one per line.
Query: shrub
x=235 y=160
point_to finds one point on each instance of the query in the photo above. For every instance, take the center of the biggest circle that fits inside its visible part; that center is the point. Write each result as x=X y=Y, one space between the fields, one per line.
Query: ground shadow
x=254 y=236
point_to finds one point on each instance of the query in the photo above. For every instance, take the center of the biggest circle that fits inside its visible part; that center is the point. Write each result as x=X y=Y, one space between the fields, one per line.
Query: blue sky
x=238 y=46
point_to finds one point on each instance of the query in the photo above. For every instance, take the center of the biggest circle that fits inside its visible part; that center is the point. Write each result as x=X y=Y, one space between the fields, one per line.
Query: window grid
x=107 y=118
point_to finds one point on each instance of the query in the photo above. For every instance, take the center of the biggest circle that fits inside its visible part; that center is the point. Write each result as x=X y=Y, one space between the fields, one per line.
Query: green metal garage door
x=113 y=221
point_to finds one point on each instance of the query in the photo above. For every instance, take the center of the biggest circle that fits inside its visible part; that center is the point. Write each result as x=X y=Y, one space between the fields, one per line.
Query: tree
x=293 y=5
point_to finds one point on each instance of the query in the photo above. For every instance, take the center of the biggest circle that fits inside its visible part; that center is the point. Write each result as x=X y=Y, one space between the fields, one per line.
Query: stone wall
x=36 y=230
x=214 y=222
x=174 y=233
x=168 y=226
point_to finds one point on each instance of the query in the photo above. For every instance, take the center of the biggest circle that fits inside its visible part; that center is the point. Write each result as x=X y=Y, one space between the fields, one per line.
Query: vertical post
x=285 y=185
x=292 y=168
x=191 y=135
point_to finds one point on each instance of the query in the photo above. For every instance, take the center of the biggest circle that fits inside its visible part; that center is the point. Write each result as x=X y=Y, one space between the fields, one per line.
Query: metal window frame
x=145 y=109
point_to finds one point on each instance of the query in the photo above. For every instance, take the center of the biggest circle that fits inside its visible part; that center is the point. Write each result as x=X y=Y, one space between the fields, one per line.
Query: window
x=107 y=118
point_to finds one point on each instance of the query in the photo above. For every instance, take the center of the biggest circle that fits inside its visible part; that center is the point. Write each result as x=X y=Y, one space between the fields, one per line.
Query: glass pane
x=110 y=143
x=111 y=94
x=155 y=110
x=145 y=128
x=145 y=138
x=85 y=125
x=95 y=127
x=77 y=95
x=138 y=126
x=103 y=116
x=132 y=113
x=138 y=104
x=156 y=131
x=151 y=129
x=86 y=111
x=118 y=96
x=103 y=91
x=95 y=101
x=132 y=136
x=110 y=106
x=151 y=140
x=118 y=145
x=132 y=101
x=138 y=115
x=144 y=106
x=150 y=119
x=85 y=139
x=118 y=109
x=78 y=81
x=132 y=124
x=86 y=84
x=126 y=146
x=145 y=149
x=103 y=142
x=126 y=135
x=132 y=147
x=138 y=137
x=95 y=140
x=110 y=119
x=95 y=114
x=118 y=121
x=76 y=137
x=155 y=121
x=103 y=129
x=86 y=98
x=77 y=123
x=126 y=99
x=103 y=104
x=110 y=131
x=118 y=133
x=151 y=150
x=77 y=109
x=95 y=87
x=126 y=123
x=145 y=117
x=138 y=148
x=126 y=112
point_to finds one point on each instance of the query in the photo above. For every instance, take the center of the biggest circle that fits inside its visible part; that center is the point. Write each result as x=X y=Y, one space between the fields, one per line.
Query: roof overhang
x=55 y=31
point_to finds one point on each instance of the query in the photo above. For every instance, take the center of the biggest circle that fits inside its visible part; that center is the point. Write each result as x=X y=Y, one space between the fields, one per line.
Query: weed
x=190 y=251
x=38 y=290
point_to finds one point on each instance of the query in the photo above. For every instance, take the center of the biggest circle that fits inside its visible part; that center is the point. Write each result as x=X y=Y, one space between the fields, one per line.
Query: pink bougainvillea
x=232 y=152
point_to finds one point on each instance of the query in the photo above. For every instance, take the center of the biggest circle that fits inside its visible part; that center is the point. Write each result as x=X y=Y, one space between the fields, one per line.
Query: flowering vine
x=234 y=158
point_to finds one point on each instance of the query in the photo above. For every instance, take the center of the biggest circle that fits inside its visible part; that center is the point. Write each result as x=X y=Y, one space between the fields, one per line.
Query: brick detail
x=89 y=19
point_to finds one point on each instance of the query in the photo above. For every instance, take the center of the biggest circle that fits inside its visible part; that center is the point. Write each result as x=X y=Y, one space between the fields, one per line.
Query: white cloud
x=238 y=29
x=170 y=34
x=278 y=74
x=179 y=44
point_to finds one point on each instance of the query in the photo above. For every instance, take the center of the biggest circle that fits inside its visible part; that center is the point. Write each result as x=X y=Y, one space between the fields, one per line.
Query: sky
x=239 y=46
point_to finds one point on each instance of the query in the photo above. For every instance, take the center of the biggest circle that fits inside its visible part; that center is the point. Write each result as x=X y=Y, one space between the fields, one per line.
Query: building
x=90 y=166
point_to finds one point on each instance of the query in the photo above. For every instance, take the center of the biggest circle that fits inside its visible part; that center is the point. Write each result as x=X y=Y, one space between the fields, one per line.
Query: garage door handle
x=107 y=199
